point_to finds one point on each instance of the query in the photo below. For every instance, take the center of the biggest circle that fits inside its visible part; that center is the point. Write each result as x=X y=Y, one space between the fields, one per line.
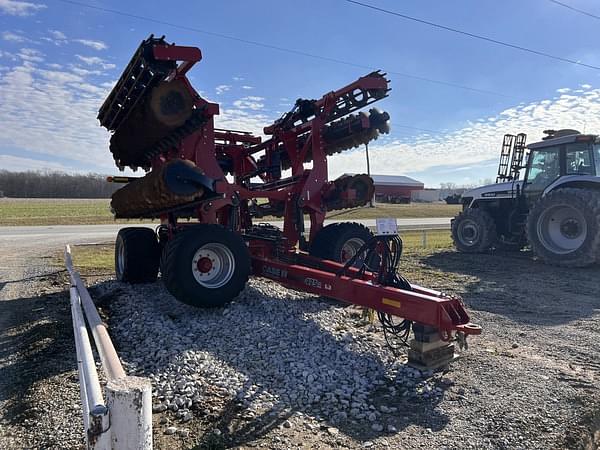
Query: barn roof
x=394 y=180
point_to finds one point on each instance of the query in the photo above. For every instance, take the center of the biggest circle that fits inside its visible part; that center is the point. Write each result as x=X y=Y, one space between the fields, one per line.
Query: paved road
x=58 y=235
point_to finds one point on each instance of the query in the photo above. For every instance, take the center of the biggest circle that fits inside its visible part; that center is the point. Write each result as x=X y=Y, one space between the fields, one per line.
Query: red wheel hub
x=204 y=264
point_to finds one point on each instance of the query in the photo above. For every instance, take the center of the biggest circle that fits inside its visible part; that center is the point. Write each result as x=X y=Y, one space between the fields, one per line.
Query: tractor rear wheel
x=205 y=266
x=137 y=255
x=563 y=227
x=340 y=241
x=474 y=231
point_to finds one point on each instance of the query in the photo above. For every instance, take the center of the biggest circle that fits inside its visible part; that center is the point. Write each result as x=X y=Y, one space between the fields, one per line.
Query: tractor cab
x=563 y=153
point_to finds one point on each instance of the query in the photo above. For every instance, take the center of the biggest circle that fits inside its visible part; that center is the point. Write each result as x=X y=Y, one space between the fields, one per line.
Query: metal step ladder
x=516 y=162
x=505 y=159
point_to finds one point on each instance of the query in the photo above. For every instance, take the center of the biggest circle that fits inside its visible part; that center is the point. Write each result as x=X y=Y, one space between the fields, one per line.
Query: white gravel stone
x=270 y=348
x=170 y=430
x=377 y=427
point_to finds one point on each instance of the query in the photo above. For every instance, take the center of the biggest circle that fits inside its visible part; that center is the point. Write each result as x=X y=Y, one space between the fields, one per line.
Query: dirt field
x=530 y=381
x=23 y=212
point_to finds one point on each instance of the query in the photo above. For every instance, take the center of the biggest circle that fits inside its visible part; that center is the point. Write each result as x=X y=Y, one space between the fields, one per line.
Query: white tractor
x=555 y=207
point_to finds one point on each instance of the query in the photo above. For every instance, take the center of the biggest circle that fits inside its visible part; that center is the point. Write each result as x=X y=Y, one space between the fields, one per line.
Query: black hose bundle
x=384 y=263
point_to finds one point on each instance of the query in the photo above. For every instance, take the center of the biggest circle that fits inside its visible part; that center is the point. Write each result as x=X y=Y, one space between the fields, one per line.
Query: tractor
x=555 y=208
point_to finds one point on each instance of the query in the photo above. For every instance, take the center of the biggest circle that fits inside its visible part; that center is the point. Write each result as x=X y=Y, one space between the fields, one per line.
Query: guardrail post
x=129 y=400
x=424 y=239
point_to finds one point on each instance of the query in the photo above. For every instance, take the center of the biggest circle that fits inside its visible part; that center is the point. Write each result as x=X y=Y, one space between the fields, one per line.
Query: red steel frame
x=303 y=191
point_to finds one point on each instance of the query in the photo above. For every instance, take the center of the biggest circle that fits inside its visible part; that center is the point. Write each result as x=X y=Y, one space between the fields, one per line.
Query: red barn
x=395 y=188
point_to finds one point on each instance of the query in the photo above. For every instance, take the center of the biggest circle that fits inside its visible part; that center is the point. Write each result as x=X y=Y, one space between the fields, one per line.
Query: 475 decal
x=313 y=282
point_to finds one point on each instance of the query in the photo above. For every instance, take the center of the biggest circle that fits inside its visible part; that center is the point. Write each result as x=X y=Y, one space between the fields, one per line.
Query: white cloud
x=95 y=61
x=53 y=113
x=222 y=88
x=19 y=8
x=247 y=87
x=12 y=37
x=237 y=119
x=250 y=102
x=238 y=78
x=96 y=45
x=90 y=60
x=19 y=164
x=58 y=35
x=477 y=141
x=30 y=55
x=83 y=72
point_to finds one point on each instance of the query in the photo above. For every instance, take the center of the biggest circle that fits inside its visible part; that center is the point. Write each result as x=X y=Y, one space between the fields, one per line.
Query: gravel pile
x=271 y=350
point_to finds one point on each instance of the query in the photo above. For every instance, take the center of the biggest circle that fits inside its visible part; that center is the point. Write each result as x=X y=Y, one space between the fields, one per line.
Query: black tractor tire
x=226 y=255
x=137 y=255
x=339 y=241
x=474 y=231
x=563 y=227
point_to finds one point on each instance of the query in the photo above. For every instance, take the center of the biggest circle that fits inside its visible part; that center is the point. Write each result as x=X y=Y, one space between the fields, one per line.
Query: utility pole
x=369 y=172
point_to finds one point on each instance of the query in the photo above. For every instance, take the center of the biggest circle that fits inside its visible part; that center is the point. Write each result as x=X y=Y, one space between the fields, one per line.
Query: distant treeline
x=54 y=185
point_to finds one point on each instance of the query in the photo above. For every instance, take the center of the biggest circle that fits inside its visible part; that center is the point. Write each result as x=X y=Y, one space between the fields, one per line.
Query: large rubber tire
x=205 y=287
x=137 y=255
x=340 y=241
x=563 y=227
x=474 y=231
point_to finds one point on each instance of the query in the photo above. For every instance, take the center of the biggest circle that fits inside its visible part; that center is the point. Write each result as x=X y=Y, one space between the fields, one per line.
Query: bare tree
x=48 y=184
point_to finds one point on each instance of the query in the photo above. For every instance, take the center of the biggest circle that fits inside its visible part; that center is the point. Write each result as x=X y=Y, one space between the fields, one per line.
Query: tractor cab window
x=579 y=160
x=544 y=167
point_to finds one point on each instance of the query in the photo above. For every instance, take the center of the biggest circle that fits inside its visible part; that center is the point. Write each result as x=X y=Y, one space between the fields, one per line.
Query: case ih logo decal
x=274 y=272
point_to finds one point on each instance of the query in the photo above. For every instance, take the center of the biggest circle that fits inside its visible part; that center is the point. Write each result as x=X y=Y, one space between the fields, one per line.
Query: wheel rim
x=350 y=248
x=562 y=229
x=468 y=232
x=121 y=259
x=213 y=265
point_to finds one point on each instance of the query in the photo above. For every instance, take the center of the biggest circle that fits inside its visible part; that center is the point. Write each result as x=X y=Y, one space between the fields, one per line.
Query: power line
x=572 y=8
x=473 y=35
x=282 y=49
x=427 y=130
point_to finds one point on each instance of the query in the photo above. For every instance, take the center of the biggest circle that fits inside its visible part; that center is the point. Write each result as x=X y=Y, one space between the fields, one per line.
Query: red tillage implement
x=227 y=179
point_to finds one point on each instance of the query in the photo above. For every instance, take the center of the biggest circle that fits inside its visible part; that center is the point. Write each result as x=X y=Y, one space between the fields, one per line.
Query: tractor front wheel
x=563 y=227
x=137 y=255
x=473 y=231
x=205 y=266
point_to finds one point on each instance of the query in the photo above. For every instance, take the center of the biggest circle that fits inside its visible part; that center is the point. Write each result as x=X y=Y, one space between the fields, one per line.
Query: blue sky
x=58 y=60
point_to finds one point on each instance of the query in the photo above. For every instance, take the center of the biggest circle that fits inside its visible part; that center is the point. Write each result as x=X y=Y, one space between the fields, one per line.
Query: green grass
x=32 y=211
x=433 y=239
x=90 y=259
x=98 y=259
x=412 y=210
x=94 y=257
x=97 y=211
x=54 y=211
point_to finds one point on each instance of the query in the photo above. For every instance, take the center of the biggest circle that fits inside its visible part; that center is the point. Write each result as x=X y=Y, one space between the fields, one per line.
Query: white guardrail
x=124 y=420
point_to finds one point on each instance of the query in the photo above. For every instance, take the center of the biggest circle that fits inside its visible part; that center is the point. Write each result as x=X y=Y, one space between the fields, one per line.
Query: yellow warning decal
x=389 y=301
